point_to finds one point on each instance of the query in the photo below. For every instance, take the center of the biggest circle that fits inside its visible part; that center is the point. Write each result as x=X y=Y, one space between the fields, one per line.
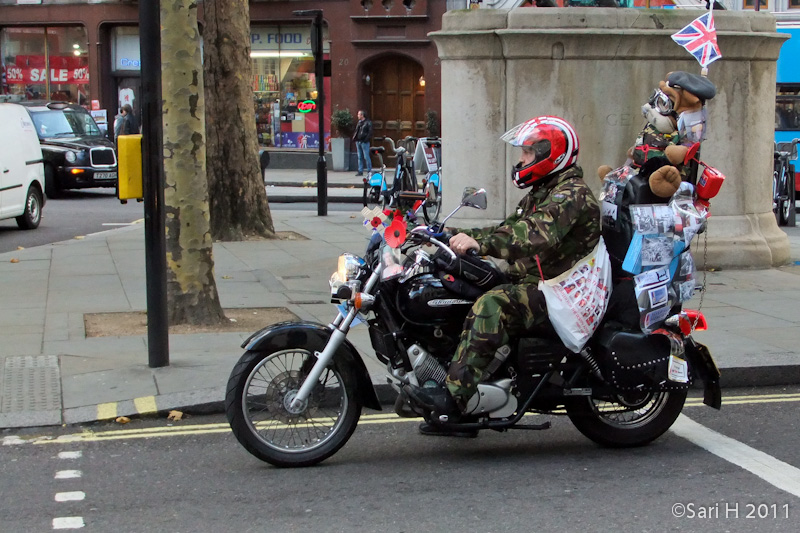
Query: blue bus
x=787 y=101
x=787 y=116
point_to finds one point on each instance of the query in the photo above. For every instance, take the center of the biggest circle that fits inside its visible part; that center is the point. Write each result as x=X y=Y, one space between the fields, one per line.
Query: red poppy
x=376 y=222
x=395 y=234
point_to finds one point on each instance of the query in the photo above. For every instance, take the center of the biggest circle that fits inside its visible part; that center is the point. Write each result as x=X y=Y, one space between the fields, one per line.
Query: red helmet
x=552 y=140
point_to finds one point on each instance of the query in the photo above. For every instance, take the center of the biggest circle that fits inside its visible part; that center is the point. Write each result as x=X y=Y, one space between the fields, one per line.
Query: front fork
x=340 y=327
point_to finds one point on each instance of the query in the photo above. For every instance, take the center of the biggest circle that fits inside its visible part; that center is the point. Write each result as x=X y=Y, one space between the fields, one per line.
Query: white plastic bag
x=578 y=298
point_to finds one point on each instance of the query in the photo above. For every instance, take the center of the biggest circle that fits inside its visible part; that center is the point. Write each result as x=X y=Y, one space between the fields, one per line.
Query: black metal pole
x=322 y=169
x=319 y=67
x=153 y=187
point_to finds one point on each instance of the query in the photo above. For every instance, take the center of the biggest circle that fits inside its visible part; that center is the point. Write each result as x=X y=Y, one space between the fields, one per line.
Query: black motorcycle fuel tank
x=424 y=300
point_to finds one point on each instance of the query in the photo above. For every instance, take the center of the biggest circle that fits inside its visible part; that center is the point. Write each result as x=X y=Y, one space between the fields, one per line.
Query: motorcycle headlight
x=350 y=267
x=349 y=272
x=70 y=157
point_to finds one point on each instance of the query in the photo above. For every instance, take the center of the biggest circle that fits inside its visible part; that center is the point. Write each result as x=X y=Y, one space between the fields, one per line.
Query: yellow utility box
x=129 y=159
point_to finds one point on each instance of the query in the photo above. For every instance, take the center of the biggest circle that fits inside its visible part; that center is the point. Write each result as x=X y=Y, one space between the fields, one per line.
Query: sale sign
x=30 y=69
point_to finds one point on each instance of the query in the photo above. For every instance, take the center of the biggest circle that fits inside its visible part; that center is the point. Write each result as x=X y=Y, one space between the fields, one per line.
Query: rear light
x=697 y=321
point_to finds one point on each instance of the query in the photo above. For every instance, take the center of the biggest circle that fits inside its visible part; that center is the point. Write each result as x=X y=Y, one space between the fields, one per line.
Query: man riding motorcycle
x=554 y=225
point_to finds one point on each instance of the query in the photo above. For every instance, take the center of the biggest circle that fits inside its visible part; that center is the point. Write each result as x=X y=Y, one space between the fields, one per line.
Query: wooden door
x=397 y=98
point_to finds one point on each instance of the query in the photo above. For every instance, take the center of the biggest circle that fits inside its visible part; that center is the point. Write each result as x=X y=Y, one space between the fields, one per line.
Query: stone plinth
x=595 y=67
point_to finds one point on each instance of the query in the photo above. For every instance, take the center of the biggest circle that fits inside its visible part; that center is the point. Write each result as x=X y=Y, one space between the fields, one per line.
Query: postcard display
x=658 y=256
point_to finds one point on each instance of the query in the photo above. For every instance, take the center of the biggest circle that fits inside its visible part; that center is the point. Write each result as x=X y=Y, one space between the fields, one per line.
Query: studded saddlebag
x=632 y=360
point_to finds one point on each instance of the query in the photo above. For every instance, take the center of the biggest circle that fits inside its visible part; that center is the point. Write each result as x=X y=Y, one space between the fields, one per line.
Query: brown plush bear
x=681 y=93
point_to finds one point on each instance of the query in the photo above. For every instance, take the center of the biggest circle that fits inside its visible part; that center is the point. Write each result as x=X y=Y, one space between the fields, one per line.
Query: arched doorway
x=397 y=96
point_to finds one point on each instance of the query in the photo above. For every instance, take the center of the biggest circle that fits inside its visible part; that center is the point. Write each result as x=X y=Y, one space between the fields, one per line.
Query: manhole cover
x=31 y=383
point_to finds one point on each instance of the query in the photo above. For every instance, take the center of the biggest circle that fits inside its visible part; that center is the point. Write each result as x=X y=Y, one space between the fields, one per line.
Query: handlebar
x=787 y=149
x=400 y=150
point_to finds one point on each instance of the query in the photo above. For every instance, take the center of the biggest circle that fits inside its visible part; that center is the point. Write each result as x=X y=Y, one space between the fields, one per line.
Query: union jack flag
x=700 y=39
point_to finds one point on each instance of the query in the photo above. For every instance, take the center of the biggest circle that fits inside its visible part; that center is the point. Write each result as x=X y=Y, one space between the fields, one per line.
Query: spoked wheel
x=373 y=197
x=433 y=203
x=786 y=202
x=778 y=204
x=258 y=403
x=628 y=420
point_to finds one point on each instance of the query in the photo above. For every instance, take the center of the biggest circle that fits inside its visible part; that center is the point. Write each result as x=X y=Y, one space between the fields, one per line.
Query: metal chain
x=703 y=285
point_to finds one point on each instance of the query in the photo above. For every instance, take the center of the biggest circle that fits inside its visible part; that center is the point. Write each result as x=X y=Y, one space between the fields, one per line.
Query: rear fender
x=706 y=369
x=314 y=337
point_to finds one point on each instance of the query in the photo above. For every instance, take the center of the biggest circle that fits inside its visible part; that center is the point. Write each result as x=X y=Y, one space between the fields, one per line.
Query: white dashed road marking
x=70 y=455
x=74 y=496
x=68 y=522
x=68 y=474
x=775 y=472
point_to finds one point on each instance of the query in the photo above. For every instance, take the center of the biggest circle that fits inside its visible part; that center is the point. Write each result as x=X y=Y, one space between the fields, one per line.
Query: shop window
x=787 y=108
x=750 y=4
x=794 y=4
x=285 y=86
x=46 y=63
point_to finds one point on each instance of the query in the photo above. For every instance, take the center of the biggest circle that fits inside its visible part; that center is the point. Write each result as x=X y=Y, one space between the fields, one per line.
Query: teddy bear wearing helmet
x=549 y=145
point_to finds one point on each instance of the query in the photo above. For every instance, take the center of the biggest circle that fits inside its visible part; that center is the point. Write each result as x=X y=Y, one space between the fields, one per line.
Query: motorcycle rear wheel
x=258 y=407
x=632 y=420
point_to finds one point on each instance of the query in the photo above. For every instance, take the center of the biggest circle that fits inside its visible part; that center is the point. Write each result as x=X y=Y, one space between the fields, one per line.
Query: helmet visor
x=520 y=134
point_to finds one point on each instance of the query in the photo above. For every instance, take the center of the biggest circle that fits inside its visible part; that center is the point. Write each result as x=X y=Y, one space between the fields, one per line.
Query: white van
x=21 y=168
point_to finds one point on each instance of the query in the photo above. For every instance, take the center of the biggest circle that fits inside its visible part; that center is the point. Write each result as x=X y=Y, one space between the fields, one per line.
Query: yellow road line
x=147 y=405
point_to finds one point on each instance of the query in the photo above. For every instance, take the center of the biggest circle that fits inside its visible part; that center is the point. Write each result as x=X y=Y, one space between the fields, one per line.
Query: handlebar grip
x=472 y=252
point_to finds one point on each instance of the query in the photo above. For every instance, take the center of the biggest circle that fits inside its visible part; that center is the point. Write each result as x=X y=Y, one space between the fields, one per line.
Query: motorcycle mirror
x=473 y=197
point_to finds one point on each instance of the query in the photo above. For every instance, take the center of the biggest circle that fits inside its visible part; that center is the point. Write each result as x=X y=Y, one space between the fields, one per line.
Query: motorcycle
x=295 y=396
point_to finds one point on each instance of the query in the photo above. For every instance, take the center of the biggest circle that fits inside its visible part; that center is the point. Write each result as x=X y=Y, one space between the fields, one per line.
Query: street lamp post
x=316 y=47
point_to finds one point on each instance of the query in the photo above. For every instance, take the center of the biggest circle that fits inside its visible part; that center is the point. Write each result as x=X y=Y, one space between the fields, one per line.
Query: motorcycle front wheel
x=632 y=419
x=259 y=407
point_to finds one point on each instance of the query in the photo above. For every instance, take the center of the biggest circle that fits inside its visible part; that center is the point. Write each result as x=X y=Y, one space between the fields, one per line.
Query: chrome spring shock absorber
x=593 y=366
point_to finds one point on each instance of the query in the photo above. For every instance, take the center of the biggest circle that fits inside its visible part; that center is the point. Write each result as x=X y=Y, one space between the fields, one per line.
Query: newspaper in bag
x=577 y=299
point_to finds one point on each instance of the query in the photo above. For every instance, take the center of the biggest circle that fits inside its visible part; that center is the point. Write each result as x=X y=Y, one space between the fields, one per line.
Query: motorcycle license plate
x=105 y=176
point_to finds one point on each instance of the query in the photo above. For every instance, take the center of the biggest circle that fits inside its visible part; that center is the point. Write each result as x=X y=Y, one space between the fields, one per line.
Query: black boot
x=437 y=399
x=438 y=431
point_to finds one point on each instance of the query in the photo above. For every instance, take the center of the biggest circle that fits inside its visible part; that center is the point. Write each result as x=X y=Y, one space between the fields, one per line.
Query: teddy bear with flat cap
x=675 y=119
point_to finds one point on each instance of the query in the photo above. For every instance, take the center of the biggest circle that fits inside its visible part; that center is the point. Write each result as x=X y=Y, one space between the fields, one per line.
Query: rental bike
x=404 y=189
x=783 y=183
x=431 y=150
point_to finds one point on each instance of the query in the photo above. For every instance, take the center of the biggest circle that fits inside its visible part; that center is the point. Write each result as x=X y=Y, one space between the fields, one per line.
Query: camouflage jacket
x=651 y=143
x=559 y=222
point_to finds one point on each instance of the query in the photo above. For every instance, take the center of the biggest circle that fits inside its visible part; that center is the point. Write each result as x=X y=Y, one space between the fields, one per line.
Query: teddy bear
x=675 y=120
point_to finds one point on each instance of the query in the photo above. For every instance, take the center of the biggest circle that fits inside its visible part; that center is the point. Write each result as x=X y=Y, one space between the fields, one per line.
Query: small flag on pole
x=700 y=39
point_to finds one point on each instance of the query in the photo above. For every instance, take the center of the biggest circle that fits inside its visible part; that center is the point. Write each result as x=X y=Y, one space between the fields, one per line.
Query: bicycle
x=432 y=182
x=375 y=189
x=404 y=190
x=783 y=183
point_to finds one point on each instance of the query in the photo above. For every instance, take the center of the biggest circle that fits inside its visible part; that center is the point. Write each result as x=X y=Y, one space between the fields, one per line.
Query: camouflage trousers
x=504 y=312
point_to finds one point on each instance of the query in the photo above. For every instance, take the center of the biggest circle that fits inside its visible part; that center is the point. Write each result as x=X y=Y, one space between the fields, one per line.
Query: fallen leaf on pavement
x=14 y=260
x=122 y=420
x=20 y=247
x=227 y=277
x=175 y=415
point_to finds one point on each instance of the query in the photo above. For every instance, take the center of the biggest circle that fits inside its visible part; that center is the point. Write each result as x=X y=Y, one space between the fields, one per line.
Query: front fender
x=314 y=337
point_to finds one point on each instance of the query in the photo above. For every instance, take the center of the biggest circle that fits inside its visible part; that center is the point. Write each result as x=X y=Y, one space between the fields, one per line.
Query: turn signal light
x=76 y=171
